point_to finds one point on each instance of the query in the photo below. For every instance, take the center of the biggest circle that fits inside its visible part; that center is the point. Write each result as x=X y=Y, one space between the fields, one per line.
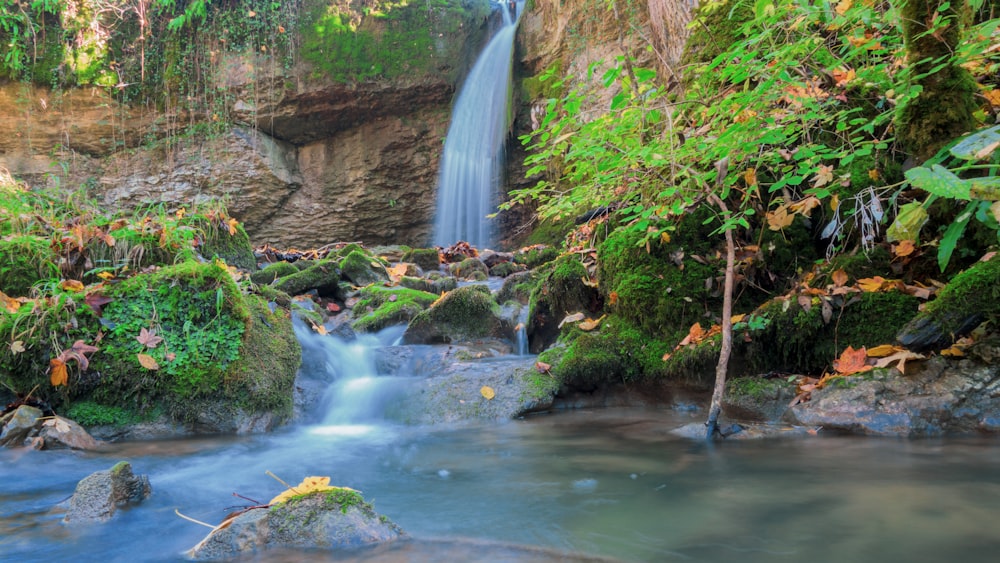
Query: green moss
x=534 y=88
x=234 y=249
x=653 y=291
x=504 y=269
x=857 y=266
x=24 y=261
x=972 y=294
x=427 y=258
x=272 y=272
x=391 y=38
x=468 y=268
x=362 y=268
x=380 y=307
x=536 y=256
x=322 y=275
x=89 y=413
x=465 y=313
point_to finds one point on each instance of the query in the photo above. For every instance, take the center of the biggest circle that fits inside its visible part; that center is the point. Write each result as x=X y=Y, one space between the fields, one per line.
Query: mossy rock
x=661 y=287
x=469 y=268
x=518 y=287
x=24 y=261
x=271 y=272
x=363 y=269
x=617 y=352
x=504 y=269
x=560 y=291
x=971 y=297
x=536 y=256
x=419 y=284
x=464 y=314
x=232 y=248
x=757 y=398
x=324 y=276
x=381 y=307
x=427 y=258
x=223 y=354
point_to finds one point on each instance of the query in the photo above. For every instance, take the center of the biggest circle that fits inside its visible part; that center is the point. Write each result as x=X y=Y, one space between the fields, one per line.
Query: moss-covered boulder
x=518 y=287
x=229 y=244
x=381 y=307
x=182 y=343
x=464 y=314
x=469 y=268
x=24 y=261
x=504 y=269
x=324 y=276
x=272 y=272
x=427 y=258
x=534 y=256
x=561 y=290
x=337 y=518
x=970 y=298
x=362 y=269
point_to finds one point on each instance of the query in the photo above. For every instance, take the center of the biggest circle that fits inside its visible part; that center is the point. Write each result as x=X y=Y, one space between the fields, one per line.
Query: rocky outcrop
x=333 y=519
x=27 y=426
x=100 y=495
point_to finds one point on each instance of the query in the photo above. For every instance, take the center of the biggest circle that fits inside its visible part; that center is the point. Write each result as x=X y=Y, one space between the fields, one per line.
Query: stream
x=612 y=483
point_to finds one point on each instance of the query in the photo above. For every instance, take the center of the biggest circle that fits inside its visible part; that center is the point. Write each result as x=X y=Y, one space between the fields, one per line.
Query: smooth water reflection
x=612 y=483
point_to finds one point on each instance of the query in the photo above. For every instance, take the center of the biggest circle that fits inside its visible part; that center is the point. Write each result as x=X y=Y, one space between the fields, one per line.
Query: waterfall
x=473 y=160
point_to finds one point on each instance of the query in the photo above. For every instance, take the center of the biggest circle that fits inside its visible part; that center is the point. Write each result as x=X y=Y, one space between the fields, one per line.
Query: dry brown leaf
x=852 y=361
x=839 y=278
x=590 y=324
x=779 y=218
x=58 y=375
x=543 y=367
x=571 y=319
x=904 y=248
x=883 y=351
x=147 y=361
x=900 y=358
x=71 y=285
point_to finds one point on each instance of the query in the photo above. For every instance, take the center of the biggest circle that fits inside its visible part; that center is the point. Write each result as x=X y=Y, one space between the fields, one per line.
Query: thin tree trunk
x=727 y=328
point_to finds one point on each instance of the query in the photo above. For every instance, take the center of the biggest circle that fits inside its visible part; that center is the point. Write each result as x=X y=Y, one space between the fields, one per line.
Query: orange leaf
x=953 y=351
x=871 y=285
x=147 y=361
x=613 y=298
x=590 y=324
x=542 y=367
x=58 y=375
x=852 y=361
x=839 y=278
x=232 y=226
x=904 y=248
x=883 y=351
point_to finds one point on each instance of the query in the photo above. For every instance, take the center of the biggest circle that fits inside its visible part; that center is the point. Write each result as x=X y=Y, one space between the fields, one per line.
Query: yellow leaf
x=883 y=351
x=106 y=275
x=904 y=248
x=308 y=485
x=804 y=205
x=58 y=375
x=738 y=318
x=590 y=324
x=9 y=303
x=843 y=6
x=251 y=14
x=993 y=97
x=71 y=285
x=396 y=272
x=232 y=226
x=487 y=392
x=319 y=328
x=834 y=202
x=180 y=213
x=779 y=218
x=954 y=352
x=147 y=361
x=664 y=237
x=871 y=284
x=750 y=176
x=873 y=174
x=900 y=359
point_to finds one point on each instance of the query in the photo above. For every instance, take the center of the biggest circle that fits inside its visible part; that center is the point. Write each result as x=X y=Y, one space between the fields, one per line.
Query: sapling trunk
x=727 y=329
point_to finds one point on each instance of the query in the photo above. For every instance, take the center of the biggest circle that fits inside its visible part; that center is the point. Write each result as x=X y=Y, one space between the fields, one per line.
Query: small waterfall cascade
x=473 y=160
x=521 y=333
x=358 y=395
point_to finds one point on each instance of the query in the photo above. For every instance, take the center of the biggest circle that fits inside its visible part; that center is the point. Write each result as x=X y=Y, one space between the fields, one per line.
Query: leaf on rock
x=147 y=361
x=571 y=319
x=852 y=361
x=57 y=372
x=590 y=324
x=308 y=485
x=148 y=338
x=953 y=351
x=543 y=367
x=487 y=391
x=900 y=359
x=883 y=351
x=333 y=307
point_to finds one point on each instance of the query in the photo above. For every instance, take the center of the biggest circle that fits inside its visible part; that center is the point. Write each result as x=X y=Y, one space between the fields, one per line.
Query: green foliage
x=89 y=413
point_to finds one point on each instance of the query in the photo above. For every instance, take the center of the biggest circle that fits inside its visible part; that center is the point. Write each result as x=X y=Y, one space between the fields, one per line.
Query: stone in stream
x=99 y=495
x=20 y=426
x=331 y=519
x=26 y=424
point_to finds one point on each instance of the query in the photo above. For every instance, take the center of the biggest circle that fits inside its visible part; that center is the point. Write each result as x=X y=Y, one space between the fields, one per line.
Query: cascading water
x=473 y=160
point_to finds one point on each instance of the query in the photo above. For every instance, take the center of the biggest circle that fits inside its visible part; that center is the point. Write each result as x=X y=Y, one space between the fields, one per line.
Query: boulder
x=468 y=268
x=99 y=495
x=427 y=258
x=465 y=314
x=58 y=432
x=323 y=276
x=362 y=269
x=934 y=398
x=20 y=426
x=331 y=519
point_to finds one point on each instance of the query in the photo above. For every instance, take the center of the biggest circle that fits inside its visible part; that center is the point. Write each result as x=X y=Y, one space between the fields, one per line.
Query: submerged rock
x=333 y=519
x=99 y=495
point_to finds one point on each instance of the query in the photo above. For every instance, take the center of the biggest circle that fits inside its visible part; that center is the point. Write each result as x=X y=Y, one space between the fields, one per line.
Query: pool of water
x=611 y=483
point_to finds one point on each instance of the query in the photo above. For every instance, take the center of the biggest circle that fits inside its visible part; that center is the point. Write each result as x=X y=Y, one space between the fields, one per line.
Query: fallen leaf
x=58 y=375
x=147 y=361
x=148 y=338
x=843 y=6
x=613 y=298
x=308 y=485
x=900 y=358
x=393 y=298
x=105 y=275
x=543 y=367
x=874 y=174
x=78 y=351
x=750 y=176
x=17 y=346
x=487 y=391
x=871 y=285
x=883 y=351
x=852 y=361
x=232 y=225
x=904 y=248
x=804 y=205
x=589 y=282
x=571 y=319
x=695 y=334
x=590 y=324
x=805 y=302
x=839 y=278
x=953 y=351
x=169 y=356
x=71 y=285
x=333 y=307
